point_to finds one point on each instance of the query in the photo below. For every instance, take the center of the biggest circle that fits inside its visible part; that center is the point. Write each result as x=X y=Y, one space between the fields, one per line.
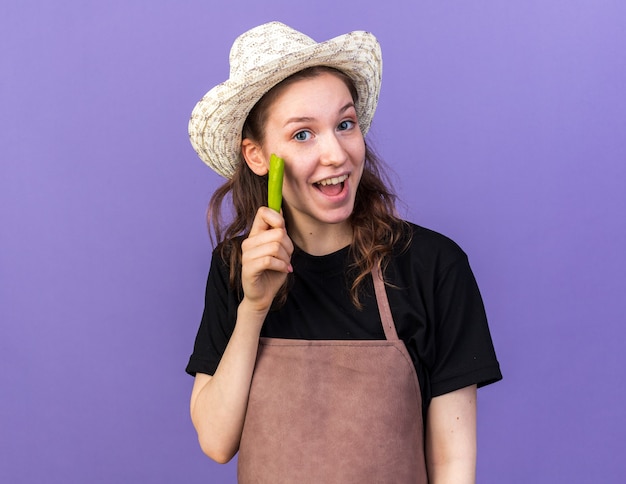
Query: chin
x=336 y=217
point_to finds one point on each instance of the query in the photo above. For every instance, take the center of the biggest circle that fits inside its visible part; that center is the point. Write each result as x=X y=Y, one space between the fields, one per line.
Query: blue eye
x=347 y=124
x=302 y=136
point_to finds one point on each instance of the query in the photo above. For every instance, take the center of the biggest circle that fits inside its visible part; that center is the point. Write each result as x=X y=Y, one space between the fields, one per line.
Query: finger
x=263 y=233
x=256 y=267
x=276 y=248
x=266 y=219
x=265 y=238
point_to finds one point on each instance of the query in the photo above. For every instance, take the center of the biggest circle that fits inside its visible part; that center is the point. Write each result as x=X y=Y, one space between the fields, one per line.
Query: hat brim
x=217 y=120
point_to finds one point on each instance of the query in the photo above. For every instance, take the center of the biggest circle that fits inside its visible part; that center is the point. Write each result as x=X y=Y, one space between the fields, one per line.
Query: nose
x=332 y=150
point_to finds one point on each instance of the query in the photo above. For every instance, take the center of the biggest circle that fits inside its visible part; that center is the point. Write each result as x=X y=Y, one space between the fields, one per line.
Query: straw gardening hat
x=261 y=58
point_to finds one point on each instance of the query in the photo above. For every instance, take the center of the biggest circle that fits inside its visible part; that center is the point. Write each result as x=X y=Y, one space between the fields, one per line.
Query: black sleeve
x=218 y=320
x=463 y=346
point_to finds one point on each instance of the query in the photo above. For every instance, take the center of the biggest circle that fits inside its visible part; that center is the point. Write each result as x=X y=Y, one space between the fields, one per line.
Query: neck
x=322 y=240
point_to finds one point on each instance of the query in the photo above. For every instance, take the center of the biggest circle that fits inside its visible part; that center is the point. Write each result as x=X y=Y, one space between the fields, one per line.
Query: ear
x=254 y=157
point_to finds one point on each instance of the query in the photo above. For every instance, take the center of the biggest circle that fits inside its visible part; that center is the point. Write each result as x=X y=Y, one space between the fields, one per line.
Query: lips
x=332 y=186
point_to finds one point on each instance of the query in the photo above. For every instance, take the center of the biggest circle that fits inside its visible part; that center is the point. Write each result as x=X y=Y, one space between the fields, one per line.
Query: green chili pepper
x=275 y=182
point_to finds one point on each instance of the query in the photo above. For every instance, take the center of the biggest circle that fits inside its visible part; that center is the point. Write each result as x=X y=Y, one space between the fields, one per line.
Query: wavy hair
x=376 y=227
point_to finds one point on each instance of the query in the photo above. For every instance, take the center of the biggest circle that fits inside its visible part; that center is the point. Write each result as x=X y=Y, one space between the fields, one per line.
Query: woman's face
x=312 y=124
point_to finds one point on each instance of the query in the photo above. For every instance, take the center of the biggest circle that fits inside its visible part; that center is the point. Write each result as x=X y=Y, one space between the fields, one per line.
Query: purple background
x=505 y=123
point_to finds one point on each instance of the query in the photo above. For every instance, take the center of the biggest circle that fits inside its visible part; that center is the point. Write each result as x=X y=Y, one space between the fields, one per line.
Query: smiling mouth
x=333 y=181
x=332 y=186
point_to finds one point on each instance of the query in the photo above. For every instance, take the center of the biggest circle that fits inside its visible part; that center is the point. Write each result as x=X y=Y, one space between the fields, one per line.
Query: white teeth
x=333 y=181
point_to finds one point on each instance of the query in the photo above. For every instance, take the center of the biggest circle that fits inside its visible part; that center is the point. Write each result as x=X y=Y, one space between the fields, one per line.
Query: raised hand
x=266 y=259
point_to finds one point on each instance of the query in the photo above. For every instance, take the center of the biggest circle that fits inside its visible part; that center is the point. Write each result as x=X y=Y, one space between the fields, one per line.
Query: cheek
x=357 y=150
x=358 y=178
x=290 y=186
x=298 y=173
x=359 y=156
x=362 y=149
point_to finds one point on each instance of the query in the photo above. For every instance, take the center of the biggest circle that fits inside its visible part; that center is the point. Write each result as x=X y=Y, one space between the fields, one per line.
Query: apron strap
x=383 y=306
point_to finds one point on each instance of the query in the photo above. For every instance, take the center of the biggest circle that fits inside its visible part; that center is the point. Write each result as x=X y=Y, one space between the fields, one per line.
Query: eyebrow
x=307 y=119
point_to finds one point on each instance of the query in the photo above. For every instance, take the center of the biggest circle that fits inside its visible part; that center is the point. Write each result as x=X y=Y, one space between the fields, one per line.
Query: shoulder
x=220 y=270
x=428 y=248
x=223 y=253
x=219 y=261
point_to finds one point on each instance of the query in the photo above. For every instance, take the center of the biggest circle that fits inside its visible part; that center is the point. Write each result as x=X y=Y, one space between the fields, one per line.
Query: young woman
x=339 y=343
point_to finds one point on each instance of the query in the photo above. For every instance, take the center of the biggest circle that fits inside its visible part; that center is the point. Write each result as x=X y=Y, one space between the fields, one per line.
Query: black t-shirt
x=434 y=299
